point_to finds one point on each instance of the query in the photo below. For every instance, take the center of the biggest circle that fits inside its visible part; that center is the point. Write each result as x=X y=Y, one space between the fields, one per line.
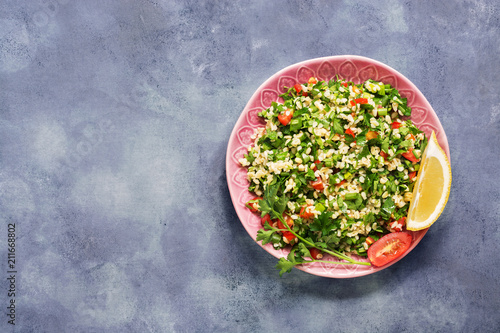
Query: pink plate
x=352 y=68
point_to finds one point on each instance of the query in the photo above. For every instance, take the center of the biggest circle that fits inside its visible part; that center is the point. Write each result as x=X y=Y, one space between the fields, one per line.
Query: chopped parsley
x=332 y=167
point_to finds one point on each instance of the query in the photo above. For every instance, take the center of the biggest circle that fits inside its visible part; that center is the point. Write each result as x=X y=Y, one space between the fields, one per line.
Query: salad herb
x=333 y=170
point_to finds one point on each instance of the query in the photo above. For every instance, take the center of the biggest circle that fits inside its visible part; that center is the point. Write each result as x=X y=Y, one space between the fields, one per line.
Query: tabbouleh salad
x=333 y=169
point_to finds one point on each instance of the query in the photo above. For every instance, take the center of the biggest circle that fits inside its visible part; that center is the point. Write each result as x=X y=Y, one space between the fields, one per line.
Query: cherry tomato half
x=389 y=248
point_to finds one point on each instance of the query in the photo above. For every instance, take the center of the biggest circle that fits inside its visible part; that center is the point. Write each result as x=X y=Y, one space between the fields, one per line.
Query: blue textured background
x=114 y=121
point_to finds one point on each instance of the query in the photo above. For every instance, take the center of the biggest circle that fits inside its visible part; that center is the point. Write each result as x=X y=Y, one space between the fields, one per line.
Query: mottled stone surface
x=114 y=120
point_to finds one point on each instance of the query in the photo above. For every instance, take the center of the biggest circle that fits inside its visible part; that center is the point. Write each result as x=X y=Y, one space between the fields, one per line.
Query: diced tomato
x=288 y=221
x=398 y=225
x=345 y=84
x=304 y=213
x=371 y=135
x=356 y=90
x=352 y=102
x=369 y=240
x=412 y=175
x=361 y=100
x=342 y=182
x=252 y=204
x=384 y=154
x=350 y=132
x=389 y=248
x=315 y=253
x=396 y=125
x=285 y=117
x=266 y=218
x=318 y=184
x=409 y=156
x=312 y=80
x=288 y=237
x=298 y=88
x=316 y=164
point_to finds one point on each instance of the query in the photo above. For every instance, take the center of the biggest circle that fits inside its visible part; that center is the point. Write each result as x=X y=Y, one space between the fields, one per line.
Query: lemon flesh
x=432 y=187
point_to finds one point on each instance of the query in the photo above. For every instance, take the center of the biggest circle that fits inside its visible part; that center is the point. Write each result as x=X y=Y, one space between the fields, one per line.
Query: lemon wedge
x=432 y=187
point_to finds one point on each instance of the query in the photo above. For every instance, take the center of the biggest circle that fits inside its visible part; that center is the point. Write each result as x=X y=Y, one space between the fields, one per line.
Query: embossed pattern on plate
x=351 y=68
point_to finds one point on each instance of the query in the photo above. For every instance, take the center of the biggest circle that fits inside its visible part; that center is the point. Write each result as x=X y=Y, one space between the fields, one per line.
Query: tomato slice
x=389 y=248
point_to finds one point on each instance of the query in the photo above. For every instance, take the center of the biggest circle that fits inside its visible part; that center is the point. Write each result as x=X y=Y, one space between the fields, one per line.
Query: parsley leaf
x=285 y=266
x=364 y=152
x=387 y=208
x=337 y=127
x=304 y=251
x=265 y=234
x=323 y=223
